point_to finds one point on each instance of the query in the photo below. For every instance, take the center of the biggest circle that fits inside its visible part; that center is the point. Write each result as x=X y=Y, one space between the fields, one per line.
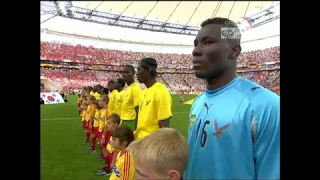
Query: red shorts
x=94 y=130
x=87 y=125
x=84 y=124
x=107 y=138
x=99 y=134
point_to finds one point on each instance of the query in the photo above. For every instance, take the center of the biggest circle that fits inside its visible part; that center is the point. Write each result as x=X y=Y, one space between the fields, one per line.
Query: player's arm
x=105 y=129
x=127 y=166
x=266 y=137
x=163 y=108
x=92 y=113
x=111 y=103
x=114 y=158
x=136 y=101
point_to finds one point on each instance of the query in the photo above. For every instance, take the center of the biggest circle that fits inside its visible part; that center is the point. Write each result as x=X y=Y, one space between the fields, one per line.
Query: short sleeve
x=163 y=104
x=136 y=96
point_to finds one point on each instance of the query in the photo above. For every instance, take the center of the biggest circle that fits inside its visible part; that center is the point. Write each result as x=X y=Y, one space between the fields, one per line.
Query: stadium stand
x=262 y=66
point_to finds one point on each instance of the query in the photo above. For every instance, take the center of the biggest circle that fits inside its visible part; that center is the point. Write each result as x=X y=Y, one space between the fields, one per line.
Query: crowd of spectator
x=179 y=83
x=90 y=55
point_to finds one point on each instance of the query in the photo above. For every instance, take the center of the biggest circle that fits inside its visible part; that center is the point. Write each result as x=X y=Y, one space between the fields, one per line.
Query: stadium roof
x=190 y=13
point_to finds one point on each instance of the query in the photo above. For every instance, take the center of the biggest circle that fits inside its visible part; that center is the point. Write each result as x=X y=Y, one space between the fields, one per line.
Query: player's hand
x=105 y=152
x=112 y=166
x=102 y=141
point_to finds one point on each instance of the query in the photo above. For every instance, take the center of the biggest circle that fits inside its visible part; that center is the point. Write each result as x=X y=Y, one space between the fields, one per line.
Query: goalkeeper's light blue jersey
x=234 y=133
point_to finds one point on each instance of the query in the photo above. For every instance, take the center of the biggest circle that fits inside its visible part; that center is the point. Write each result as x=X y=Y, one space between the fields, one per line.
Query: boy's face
x=101 y=103
x=116 y=143
x=145 y=170
x=111 y=125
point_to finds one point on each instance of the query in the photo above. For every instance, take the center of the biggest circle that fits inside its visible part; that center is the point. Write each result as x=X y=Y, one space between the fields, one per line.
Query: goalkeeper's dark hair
x=225 y=22
x=221 y=21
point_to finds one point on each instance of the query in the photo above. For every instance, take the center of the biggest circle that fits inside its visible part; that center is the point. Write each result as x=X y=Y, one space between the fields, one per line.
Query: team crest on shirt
x=219 y=130
x=192 y=119
x=110 y=142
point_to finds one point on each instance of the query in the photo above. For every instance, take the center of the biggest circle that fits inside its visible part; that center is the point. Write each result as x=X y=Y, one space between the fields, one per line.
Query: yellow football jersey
x=118 y=103
x=131 y=99
x=91 y=93
x=96 y=95
x=96 y=118
x=155 y=106
x=124 y=167
x=109 y=145
x=79 y=100
x=103 y=119
x=83 y=115
x=90 y=112
x=112 y=98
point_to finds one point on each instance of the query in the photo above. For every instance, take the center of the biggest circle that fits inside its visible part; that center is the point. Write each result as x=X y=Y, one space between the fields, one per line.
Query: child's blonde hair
x=166 y=149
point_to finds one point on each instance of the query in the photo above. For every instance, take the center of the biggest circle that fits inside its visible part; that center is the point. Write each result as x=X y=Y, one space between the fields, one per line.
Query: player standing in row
x=234 y=126
x=97 y=91
x=131 y=99
x=123 y=168
x=79 y=102
x=108 y=151
x=112 y=95
x=155 y=106
x=117 y=106
x=104 y=114
x=89 y=117
x=84 y=107
x=95 y=126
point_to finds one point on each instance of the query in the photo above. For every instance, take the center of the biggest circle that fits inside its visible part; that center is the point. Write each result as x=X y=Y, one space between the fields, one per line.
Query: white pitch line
x=72 y=118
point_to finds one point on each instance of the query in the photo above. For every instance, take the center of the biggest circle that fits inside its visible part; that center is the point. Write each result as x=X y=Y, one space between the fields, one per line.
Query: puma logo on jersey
x=207 y=107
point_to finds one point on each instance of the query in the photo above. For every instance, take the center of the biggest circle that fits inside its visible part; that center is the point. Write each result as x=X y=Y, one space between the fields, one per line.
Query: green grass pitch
x=64 y=157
